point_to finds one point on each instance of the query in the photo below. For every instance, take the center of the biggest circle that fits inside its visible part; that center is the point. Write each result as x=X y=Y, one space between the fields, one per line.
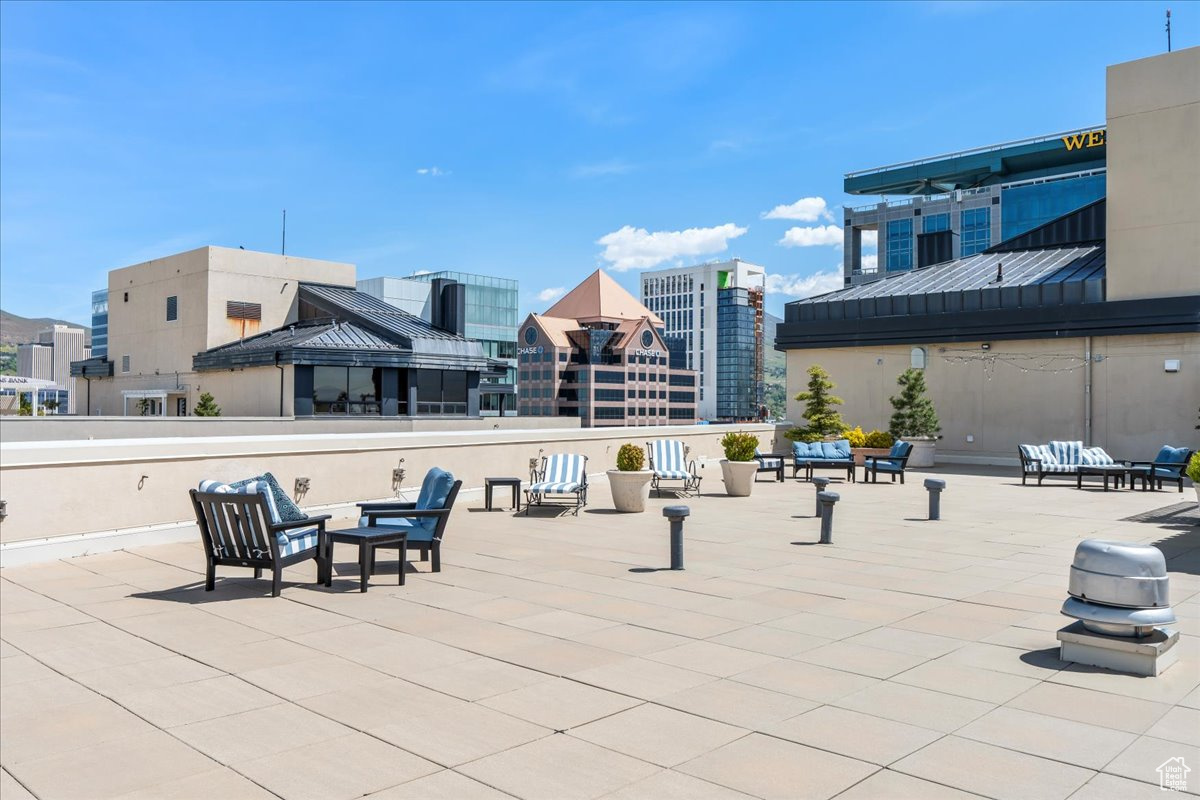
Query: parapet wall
x=90 y=490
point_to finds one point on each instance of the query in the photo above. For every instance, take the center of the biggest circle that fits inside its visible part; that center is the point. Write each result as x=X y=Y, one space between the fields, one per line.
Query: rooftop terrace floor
x=551 y=659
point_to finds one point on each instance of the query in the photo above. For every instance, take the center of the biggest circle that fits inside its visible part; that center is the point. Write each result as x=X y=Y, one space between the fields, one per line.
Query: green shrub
x=630 y=458
x=1193 y=468
x=802 y=435
x=739 y=445
x=879 y=439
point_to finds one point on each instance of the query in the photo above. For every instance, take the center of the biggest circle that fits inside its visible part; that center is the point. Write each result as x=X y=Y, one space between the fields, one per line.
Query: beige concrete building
x=1085 y=328
x=269 y=335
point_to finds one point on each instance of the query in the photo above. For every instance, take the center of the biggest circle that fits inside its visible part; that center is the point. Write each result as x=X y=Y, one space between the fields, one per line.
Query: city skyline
x=531 y=142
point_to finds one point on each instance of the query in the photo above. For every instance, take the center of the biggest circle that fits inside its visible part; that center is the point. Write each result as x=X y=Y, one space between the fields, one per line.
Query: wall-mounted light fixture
x=985 y=346
x=1171 y=365
x=301 y=486
x=3 y=509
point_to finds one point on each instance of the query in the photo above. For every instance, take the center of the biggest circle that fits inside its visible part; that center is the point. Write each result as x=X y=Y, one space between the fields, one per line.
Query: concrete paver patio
x=554 y=658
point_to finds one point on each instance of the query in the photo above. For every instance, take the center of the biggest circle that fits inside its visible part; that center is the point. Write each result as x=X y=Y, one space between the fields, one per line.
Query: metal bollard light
x=676 y=514
x=935 y=487
x=827 y=499
x=820 y=483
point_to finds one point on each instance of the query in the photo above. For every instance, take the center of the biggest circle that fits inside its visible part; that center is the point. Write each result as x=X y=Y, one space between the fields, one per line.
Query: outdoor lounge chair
x=768 y=463
x=241 y=526
x=668 y=459
x=832 y=455
x=1169 y=465
x=560 y=474
x=423 y=521
x=892 y=464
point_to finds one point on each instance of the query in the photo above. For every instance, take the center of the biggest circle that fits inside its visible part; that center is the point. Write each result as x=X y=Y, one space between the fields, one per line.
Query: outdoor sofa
x=669 y=461
x=1059 y=458
x=254 y=524
x=824 y=455
x=424 y=521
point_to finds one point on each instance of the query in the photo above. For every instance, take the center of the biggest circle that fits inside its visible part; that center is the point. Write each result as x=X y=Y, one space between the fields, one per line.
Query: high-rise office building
x=491 y=319
x=49 y=359
x=600 y=355
x=714 y=311
x=956 y=205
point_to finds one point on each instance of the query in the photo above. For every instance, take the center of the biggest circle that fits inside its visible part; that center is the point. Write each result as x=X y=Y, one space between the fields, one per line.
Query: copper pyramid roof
x=600 y=299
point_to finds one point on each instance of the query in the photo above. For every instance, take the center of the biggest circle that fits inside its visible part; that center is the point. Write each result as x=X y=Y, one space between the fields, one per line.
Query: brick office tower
x=600 y=355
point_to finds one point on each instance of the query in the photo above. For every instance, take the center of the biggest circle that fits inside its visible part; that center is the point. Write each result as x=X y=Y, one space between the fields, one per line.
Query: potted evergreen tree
x=1193 y=472
x=629 y=482
x=914 y=419
x=823 y=419
x=206 y=406
x=738 y=467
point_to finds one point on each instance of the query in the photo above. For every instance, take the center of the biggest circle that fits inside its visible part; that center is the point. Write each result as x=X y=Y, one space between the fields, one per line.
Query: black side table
x=367 y=540
x=490 y=483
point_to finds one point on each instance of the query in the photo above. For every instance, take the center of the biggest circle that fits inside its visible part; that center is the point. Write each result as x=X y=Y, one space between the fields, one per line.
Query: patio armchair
x=768 y=463
x=561 y=474
x=894 y=463
x=1169 y=465
x=424 y=521
x=832 y=455
x=669 y=461
x=241 y=526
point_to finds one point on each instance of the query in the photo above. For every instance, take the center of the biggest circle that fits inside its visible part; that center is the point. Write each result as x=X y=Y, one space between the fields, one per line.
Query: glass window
x=363 y=390
x=899 y=244
x=329 y=390
x=975 y=231
x=932 y=223
x=917 y=358
x=1026 y=207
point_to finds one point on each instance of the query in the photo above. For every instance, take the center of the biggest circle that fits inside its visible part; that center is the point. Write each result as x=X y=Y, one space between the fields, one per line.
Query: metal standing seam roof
x=1029 y=279
x=322 y=333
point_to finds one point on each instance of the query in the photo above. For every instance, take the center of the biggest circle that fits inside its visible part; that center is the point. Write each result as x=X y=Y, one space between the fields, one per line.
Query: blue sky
x=532 y=141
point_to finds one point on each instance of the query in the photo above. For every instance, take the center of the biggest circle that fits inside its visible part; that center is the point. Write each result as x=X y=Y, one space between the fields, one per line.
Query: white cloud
x=637 y=248
x=812 y=237
x=806 y=209
x=805 y=285
x=614 y=166
x=870 y=263
x=546 y=295
x=433 y=172
x=870 y=238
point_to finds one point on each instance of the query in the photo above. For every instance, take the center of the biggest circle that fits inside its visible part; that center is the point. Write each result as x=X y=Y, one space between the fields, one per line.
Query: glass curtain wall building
x=739 y=336
x=956 y=205
x=491 y=319
x=100 y=323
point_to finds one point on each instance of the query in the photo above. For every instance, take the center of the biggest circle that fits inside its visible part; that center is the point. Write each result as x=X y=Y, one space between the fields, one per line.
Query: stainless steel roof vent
x=1119 y=594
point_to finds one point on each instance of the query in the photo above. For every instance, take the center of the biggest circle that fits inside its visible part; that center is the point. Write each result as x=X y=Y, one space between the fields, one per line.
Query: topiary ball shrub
x=739 y=445
x=630 y=458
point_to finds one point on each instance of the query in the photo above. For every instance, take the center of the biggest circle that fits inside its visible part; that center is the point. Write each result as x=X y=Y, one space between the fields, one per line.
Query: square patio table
x=491 y=483
x=367 y=539
x=1117 y=471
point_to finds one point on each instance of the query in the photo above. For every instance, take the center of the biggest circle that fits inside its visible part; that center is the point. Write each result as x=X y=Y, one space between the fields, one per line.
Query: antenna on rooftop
x=283 y=244
x=1168 y=30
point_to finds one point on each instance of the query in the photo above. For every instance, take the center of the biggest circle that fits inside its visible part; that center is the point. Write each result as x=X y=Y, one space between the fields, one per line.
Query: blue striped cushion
x=563 y=474
x=668 y=459
x=1067 y=453
x=1095 y=456
x=234 y=542
x=296 y=541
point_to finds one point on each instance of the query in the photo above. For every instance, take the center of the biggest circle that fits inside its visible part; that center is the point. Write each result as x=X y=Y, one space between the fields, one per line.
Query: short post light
x=827 y=499
x=676 y=515
x=935 y=487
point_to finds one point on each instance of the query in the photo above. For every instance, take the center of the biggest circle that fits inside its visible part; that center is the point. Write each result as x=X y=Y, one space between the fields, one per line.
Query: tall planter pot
x=923 y=451
x=738 y=476
x=630 y=490
x=860 y=453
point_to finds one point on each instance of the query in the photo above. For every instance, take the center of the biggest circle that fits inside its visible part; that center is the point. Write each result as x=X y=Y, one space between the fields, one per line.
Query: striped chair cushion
x=563 y=474
x=771 y=463
x=1067 y=453
x=668 y=459
x=289 y=541
x=296 y=541
x=1095 y=456
x=1032 y=452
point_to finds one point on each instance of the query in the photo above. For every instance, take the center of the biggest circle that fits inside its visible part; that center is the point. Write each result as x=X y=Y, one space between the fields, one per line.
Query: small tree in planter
x=823 y=419
x=630 y=481
x=206 y=406
x=914 y=419
x=739 y=467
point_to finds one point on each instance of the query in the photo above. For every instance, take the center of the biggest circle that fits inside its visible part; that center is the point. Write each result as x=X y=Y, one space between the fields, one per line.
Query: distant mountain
x=22 y=330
